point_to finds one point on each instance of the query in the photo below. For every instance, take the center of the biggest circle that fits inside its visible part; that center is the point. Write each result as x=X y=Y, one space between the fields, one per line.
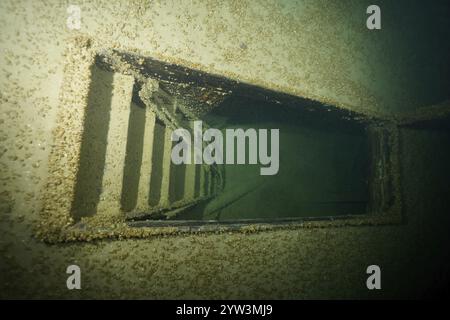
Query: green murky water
x=323 y=165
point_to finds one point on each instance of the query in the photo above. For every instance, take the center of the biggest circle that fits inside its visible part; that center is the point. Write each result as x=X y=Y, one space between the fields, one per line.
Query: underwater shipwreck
x=112 y=174
x=233 y=149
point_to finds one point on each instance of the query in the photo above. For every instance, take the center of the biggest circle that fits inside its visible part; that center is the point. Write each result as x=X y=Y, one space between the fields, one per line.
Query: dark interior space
x=323 y=164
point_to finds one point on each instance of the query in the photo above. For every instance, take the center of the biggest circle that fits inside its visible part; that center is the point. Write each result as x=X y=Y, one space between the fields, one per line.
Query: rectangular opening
x=333 y=164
